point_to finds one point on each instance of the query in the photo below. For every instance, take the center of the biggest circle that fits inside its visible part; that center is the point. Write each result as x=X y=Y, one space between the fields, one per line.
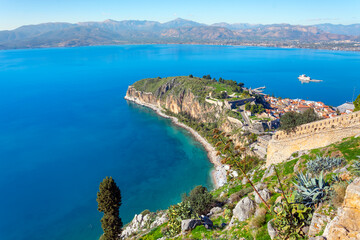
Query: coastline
x=218 y=174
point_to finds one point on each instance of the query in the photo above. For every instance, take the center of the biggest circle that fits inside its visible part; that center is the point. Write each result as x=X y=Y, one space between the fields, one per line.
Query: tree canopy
x=109 y=202
x=200 y=200
x=357 y=103
x=290 y=120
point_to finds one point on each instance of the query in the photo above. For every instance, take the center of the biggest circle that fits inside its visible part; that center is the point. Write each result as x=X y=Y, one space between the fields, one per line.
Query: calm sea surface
x=64 y=126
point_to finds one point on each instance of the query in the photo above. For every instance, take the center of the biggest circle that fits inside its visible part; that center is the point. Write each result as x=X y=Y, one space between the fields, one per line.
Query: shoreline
x=218 y=174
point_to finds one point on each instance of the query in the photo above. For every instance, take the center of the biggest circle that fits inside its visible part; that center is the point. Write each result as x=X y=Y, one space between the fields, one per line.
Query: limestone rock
x=317 y=223
x=260 y=186
x=244 y=209
x=215 y=210
x=268 y=172
x=244 y=181
x=160 y=219
x=271 y=230
x=189 y=224
x=317 y=238
x=346 y=225
x=265 y=194
x=139 y=222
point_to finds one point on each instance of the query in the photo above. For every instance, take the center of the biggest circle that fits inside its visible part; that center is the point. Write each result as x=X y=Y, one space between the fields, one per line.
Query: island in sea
x=284 y=168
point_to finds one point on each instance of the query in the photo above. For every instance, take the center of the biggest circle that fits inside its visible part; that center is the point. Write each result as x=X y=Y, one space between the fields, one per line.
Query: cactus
x=324 y=164
x=177 y=213
x=311 y=191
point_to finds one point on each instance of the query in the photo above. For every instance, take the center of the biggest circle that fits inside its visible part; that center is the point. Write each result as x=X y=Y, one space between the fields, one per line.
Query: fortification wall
x=312 y=135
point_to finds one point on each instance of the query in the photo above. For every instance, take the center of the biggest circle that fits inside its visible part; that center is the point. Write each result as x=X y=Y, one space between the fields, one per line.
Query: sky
x=15 y=13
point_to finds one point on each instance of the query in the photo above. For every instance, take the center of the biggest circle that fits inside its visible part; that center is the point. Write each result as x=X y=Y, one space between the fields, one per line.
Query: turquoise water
x=64 y=126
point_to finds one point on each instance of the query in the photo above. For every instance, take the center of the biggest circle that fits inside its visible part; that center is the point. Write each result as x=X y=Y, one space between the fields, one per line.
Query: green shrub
x=200 y=200
x=290 y=219
x=145 y=212
x=290 y=120
x=177 y=213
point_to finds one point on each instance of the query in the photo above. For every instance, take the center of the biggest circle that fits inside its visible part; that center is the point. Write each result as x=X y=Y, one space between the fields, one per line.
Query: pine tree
x=109 y=202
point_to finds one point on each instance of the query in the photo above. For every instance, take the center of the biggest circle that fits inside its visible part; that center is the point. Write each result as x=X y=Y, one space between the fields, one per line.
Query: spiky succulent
x=311 y=191
x=356 y=167
x=324 y=164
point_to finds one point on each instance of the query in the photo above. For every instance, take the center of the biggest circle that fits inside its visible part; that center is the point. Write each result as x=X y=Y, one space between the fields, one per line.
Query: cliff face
x=185 y=102
x=190 y=96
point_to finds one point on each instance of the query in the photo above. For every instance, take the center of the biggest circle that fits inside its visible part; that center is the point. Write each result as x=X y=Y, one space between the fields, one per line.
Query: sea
x=64 y=126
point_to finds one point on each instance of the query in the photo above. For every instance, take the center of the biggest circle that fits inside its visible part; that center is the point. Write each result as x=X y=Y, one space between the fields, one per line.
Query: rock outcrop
x=265 y=194
x=318 y=221
x=346 y=225
x=189 y=224
x=243 y=210
x=184 y=102
x=143 y=222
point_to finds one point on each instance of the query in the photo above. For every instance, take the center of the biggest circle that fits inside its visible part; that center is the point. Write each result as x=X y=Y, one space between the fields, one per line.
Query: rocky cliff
x=185 y=102
x=186 y=96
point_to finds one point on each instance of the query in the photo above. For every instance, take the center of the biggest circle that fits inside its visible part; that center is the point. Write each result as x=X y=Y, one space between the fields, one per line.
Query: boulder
x=215 y=210
x=271 y=230
x=265 y=194
x=189 y=224
x=346 y=225
x=243 y=210
x=244 y=181
x=317 y=223
x=260 y=186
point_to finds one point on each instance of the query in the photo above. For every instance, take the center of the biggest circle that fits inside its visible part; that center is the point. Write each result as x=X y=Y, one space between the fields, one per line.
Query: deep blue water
x=64 y=126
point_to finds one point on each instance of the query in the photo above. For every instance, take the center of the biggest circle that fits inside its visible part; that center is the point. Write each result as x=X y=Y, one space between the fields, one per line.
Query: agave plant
x=324 y=164
x=311 y=191
x=356 y=167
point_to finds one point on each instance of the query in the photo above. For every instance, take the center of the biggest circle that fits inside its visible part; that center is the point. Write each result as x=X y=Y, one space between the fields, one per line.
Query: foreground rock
x=346 y=225
x=265 y=194
x=189 y=224
x=317 y=223
x=143 y=222
x=271 y=230
x=243 y=210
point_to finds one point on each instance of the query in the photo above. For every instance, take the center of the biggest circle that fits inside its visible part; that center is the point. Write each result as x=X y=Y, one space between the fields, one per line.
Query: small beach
x=219 y=173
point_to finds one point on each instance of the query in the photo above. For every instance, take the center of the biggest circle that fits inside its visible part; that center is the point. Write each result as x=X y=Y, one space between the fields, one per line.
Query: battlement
x=312 y=135
x=321 y=125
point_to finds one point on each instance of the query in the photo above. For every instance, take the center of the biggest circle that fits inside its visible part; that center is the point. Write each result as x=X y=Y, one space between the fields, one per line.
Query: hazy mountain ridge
x=176 y=31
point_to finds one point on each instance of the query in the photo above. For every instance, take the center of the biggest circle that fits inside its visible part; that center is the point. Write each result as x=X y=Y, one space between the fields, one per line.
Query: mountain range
x=176 y=31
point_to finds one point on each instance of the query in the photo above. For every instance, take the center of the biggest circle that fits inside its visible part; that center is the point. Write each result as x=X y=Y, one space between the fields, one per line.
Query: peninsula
x=224 y=116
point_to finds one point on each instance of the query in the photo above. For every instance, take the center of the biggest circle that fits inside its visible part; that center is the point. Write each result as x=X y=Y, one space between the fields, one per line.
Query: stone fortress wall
x=312 y=135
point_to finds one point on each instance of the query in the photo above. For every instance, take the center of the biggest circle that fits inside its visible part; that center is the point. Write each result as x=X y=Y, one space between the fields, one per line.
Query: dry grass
x=259 y=219
x=338 y=195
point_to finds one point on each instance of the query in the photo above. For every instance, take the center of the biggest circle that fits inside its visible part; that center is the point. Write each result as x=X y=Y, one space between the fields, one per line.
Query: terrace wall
x=312 y=135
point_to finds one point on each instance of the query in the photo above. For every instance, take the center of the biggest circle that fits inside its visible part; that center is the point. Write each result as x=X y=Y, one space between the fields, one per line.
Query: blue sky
x=14 y=13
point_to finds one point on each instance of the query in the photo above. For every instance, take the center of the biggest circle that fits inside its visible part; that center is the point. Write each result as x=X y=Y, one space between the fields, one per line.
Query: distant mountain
x=236 y=26
x=176 y=31
x=282 y=32
x=352 y=30
x=179 y=23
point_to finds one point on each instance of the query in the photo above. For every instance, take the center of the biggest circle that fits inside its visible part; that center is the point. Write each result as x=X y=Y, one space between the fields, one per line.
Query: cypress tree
x=109 y=202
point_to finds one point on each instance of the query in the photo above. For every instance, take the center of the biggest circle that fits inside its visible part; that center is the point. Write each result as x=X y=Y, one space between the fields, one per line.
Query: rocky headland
x=251 y=199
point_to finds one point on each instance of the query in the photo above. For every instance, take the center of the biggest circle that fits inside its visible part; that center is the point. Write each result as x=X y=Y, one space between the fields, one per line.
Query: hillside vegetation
x=291 y=200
